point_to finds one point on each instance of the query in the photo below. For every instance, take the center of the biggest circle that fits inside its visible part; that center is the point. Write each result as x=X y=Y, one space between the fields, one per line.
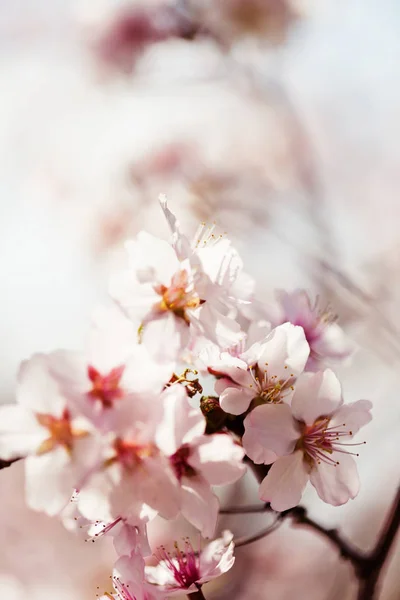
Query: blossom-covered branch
x=104 y=429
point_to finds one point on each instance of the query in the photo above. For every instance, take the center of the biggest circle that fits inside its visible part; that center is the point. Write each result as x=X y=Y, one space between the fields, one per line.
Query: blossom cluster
x=120 y=433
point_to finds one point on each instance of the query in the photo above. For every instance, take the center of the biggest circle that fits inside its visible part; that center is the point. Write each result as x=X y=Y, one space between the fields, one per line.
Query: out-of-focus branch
x=197 y=595
x=367 y=567
x=374 y=563
x=7 y=463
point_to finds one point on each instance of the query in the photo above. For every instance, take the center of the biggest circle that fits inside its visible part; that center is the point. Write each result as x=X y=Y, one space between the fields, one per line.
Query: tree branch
x=7 y=463
x=197 y=595
x=367 y=567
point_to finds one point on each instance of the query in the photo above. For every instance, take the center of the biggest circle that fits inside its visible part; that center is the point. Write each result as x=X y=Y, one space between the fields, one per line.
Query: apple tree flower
x=61 y=447
x=311 y=440
x=326 y=338
x=264 y=373
x=134 y=468
x=178 y=290
x=184 y=571
x=199 y=461
x=101 y=381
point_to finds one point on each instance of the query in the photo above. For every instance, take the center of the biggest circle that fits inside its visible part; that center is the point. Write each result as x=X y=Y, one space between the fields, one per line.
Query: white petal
x=316 y=395
x=152 y=258
x=218 y=459
x=199 y=505
x=272 y=426
x=20 y=433
x=217 y=558
x=181 y=423
x=285 y=351
x=336 y=485
x=37 y=390
x=165 y=337
x=352 y=416
x=50 y=481
x=285 y=482
x=235 y=400
x=256 y=451
x=218 y=328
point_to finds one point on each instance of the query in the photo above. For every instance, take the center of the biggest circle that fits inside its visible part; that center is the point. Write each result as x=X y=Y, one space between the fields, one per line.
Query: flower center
x=130 y=454
x=180 y=465
x=61 y=432
x=268 y=389
x=319 y=441
x=183 y=565
x=106 y=388
x=179 y=296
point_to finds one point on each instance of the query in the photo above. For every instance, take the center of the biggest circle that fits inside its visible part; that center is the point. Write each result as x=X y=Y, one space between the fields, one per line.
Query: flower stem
x=197 y=595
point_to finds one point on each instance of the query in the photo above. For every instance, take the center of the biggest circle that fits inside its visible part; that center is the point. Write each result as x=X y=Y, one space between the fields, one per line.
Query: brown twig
x=367 y=567
x=7 y=463
x=197 y=595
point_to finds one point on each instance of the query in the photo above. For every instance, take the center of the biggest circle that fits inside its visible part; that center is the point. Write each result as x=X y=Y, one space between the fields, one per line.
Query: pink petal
x=235 y=400
x=272 y=426
x=333 y=343
x=181 y=423
x=37 y=390
x=316 y=395
x=165 y=337
x=353 y=416
x=50 y=481
x=217 y=558
x=285 y=482
x=20 y=433
x=218 y=328
x=256 y=451
x=112 y=337
x=286 y=346
x=218 y=459
x=199 y=505
x=336 y=485
x=152 y=258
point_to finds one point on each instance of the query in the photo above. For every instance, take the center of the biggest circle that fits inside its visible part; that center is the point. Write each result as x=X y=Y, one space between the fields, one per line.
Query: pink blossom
x=128 y=533
x=311 y=440
x=62 y=447
x=103 y=381
x=129 y=580
x=198 y=461
x=185 y=571
x=134 y=467
x=131 y=30
x=264 y=373
x=172 y=291
x=326 y=339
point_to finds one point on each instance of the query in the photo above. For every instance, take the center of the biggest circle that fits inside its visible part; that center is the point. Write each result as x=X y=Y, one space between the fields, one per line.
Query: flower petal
x=235 y=400
x=20 y=432
x=336 y=484
x=316 y=395
x=353 y=416
x=285 y=482
x=218 y=459
x=272 y=426
x=181 y=423
x=199 y=505
x=256 y=451
x=285 y=352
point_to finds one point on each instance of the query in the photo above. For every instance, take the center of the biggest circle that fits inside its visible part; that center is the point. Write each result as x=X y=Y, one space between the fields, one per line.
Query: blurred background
x=279 y=119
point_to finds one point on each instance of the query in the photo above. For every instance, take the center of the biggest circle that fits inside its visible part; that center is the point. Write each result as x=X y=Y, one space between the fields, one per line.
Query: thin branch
x=7 y=463
x=374 y=563
x=367 y=567
x=244 y=510
x=197 y=595
x=244 y=541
